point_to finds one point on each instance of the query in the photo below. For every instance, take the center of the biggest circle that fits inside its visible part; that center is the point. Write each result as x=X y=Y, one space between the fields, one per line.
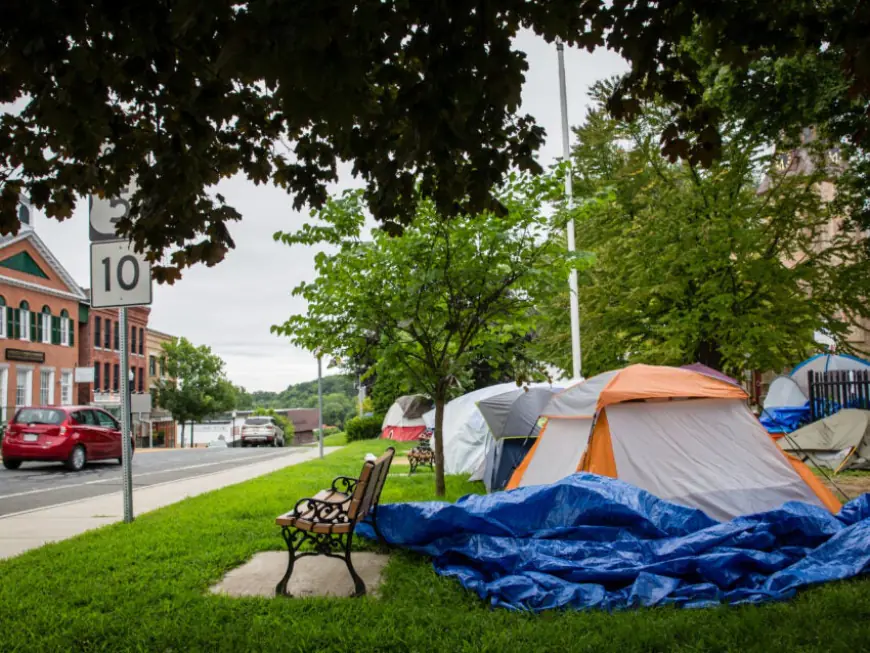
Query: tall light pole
x=576 y=355
x=320 y=403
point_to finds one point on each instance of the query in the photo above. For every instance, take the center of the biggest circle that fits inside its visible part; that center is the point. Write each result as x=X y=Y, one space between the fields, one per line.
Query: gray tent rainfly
x=512 y=418
x=841 y=441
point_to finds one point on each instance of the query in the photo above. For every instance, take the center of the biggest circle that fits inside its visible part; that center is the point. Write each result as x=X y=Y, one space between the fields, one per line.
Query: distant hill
x=339 y=398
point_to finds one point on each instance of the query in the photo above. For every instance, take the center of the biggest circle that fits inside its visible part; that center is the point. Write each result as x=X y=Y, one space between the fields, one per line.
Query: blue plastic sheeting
x=785 y=419
x=594 y=542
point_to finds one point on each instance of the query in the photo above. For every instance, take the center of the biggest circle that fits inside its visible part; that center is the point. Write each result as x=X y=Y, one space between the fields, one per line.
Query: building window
x=117 y=337
x=66 y=388
x=96 y=377
x=97 y=324
x=24 y=388
x=141 y=379
x=24 y=320
x=141 y=342
x=133 y=340
x=163 y=366
x=107 y=377
x=152 y=365
x=46 y=387
x=44 y=330
x=107 y=334
x=65 y=328
x=3 y=320
x=116 y=385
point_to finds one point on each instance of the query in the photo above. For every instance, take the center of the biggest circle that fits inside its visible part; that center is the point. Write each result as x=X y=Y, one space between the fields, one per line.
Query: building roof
x=74 y=290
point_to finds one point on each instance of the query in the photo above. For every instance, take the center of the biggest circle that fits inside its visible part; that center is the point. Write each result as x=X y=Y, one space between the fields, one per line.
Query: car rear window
x=39 y=416
x=258 y=421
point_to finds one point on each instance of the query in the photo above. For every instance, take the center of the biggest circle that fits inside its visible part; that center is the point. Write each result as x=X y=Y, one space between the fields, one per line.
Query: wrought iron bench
x=421 y=455
x=328 y=519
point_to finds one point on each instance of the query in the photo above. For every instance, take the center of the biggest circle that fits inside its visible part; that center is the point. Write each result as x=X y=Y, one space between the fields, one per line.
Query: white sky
x=231 y=306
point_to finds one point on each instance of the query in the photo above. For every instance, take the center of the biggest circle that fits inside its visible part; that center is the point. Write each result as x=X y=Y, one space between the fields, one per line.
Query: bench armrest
x=344 y=484
x=321 y=511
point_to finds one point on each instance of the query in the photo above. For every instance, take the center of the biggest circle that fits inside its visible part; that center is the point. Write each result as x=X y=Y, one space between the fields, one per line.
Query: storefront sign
x=25 y=356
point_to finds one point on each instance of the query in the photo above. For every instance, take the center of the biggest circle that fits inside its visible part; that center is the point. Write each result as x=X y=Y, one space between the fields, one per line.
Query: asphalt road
x=37 y=485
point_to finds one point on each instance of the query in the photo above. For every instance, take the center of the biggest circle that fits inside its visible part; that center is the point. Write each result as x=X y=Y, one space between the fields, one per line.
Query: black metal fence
x=835 y=390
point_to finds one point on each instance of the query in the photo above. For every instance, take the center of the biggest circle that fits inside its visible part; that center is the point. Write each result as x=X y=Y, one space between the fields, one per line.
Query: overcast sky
x=230 y=307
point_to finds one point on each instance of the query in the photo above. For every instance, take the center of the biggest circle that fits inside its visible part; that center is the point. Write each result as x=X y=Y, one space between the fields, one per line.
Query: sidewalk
x=24 y=531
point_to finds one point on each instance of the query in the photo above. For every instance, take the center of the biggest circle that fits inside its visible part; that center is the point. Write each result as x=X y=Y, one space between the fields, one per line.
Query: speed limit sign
x=119 y=275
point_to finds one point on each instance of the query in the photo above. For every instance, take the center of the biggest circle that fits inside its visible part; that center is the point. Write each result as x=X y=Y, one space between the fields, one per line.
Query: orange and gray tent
x=681 y=435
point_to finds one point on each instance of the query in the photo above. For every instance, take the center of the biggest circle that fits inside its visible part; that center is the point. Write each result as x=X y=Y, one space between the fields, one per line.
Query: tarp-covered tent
x=404 y=419
x=683 y=436
x=512 y=418
x=841 y=441
x=785 y=407
x=465 y=429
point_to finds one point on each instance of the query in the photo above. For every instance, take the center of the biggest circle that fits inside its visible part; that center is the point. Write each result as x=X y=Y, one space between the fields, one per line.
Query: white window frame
x=46 y=328
x=46 y=393
x=27 y=399
x=64 y=331
x=4 y=392
x=2 y=321
x=24 y=323
x=66 y=387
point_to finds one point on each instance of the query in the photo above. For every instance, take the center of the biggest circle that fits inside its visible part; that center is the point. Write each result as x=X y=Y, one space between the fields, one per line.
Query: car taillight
x=62 y=431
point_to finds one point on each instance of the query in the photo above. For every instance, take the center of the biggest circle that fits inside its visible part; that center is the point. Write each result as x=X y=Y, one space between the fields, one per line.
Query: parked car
x=261 y=430
x=217 y=444
x=69 y=434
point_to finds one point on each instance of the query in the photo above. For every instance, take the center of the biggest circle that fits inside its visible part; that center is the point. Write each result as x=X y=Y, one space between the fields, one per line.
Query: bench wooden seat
x=328 y=519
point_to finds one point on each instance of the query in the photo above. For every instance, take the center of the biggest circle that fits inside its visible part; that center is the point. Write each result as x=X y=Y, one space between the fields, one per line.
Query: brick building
x=100 y=349
x=162 y=425
x=39 y=311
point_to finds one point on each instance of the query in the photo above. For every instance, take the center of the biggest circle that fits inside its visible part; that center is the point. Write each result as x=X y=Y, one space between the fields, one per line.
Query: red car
x=69 y=434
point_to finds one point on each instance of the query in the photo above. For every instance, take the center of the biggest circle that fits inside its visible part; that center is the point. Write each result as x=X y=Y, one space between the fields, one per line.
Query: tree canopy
x=179 y=95
x=195 y=387
x=736 y=266
x=431 y=302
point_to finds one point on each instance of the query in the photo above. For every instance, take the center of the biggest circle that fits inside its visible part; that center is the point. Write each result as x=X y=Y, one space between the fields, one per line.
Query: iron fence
x=832 y=391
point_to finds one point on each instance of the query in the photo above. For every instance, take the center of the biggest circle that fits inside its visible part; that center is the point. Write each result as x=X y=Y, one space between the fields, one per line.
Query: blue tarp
x=785 y=419
x=594 y=542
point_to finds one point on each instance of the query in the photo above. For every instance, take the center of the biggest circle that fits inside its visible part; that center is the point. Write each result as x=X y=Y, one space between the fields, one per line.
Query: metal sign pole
x=126 y=448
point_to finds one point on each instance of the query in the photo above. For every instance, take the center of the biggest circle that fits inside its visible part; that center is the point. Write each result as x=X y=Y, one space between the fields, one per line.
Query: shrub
x=329 y=430
x=363 y=428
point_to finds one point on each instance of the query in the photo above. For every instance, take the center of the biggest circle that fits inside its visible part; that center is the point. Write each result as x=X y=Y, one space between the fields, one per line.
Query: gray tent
x=841 y=441
x=512 y=418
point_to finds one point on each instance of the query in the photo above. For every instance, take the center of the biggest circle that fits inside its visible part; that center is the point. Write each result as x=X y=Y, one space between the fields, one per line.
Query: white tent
x=465 y=429
x=784 y=392
x=825 y=363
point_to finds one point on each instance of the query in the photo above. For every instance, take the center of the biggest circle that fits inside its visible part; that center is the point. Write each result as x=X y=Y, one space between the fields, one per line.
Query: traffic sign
x=107 y=211
x=120 y=276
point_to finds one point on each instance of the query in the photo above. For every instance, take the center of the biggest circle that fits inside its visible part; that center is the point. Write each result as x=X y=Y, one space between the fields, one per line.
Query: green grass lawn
x=144 y=587
x=335 y=440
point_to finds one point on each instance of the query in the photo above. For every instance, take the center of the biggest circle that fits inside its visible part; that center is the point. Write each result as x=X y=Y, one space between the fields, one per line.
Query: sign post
x=120 y=277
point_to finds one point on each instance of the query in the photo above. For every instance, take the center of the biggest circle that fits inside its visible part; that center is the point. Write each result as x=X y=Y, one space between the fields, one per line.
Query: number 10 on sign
x=119 y=275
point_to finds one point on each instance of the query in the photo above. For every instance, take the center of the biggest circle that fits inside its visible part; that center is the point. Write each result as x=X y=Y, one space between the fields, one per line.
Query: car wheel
x=77 y=458
x=11 y=464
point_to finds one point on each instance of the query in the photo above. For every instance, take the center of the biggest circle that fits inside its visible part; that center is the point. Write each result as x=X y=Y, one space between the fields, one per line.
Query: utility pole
x=320 y=404
x=576 y=355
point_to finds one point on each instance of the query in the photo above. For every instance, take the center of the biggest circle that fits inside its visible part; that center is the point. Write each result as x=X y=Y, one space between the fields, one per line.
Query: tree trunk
x=710 y=355
x=182 y=433
x=439 y=446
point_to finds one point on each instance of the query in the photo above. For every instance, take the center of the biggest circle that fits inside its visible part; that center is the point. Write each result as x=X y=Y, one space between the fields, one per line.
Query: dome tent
x=465 y=429
x=682 y=436
x=404 y=419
